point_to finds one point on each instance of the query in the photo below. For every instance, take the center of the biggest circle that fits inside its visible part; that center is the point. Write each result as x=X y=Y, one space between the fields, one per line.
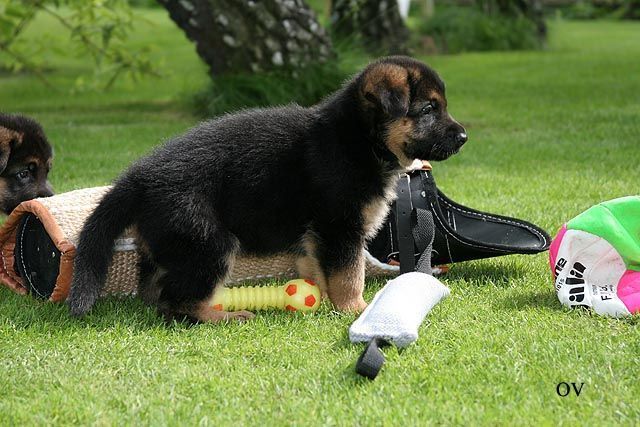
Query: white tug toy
x=394 y=316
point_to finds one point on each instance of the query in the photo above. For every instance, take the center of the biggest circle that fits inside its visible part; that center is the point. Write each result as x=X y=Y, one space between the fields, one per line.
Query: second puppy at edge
x=314 y=181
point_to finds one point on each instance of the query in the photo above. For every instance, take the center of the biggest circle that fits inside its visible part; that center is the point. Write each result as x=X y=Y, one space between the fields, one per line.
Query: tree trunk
x=252 y=35
x=531 y=9
x=376 y=24
x=631 y=9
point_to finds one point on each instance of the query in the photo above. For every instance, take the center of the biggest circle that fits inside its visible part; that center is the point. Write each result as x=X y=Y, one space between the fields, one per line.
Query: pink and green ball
x=603 y=243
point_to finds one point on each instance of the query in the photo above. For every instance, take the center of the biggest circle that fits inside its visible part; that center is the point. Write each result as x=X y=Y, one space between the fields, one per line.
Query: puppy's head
x=25 y=161
x=404 y=100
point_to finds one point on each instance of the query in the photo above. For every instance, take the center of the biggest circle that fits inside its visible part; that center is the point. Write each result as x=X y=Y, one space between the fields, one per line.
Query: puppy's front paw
x=355 y=306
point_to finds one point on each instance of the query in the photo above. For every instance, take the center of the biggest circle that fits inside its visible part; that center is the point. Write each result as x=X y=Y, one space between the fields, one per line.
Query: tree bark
x=376 y=24
x=252 y=35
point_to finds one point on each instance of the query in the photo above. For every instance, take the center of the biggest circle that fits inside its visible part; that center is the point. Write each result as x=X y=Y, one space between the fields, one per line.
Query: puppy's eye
x=427 y=109
x=23 y=175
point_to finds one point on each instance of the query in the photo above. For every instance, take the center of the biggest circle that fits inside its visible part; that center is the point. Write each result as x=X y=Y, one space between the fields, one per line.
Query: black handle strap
x=403 y=225
x=371 y=360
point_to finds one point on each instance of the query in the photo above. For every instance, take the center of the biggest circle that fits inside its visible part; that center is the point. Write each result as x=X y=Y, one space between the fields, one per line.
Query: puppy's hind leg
x=307 y=264
x=189 y=281
x=150 y=273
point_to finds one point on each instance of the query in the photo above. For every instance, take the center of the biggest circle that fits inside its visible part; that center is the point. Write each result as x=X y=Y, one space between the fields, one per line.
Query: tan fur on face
x=438 y=97
x=33 y=159
x=345 y=287
x=398 y=135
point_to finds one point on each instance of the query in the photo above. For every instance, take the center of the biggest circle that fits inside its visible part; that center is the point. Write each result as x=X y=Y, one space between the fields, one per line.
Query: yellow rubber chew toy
x=295 y=295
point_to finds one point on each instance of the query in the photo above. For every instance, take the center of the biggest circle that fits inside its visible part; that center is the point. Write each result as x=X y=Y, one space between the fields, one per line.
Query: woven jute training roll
x=63 y=216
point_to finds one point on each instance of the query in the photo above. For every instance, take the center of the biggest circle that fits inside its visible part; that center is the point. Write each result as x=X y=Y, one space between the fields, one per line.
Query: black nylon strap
x=371 y=360
x=423 y=234
x=403 y=226
x=423 y=192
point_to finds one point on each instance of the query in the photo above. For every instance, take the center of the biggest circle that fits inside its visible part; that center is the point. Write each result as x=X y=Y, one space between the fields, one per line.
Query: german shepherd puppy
x=25 y=161
x=314 y=181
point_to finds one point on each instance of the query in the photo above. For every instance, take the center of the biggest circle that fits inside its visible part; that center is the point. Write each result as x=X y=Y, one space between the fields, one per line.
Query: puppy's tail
x=114 y=213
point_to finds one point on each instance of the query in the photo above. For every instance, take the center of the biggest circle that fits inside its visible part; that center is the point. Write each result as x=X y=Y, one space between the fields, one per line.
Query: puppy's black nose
x=46 y=190
x=461 y=138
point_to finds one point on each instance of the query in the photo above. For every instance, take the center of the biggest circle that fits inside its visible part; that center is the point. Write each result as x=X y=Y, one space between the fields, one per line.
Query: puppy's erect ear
x=387 y=86
x=9 y=139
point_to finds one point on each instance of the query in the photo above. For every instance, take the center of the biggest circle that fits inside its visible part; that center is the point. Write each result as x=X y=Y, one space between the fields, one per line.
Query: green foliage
x=318 y=6
x=587 y=9
x=612 y=9
x=461 y=29
x=583 y=10
x=14 y=18
x=622 y=9
x=235 y=91
x=98 y=29
x=144 y=3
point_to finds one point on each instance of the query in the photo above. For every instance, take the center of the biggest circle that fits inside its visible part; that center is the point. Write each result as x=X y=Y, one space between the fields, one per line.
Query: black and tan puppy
x=25 y=161
x=315 y=181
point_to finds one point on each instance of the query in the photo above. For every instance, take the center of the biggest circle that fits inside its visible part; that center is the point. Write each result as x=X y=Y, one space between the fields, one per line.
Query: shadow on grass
x=27 y=313
x=538 y=299
x=482 y=272
x=479 y=272
x=548 y=300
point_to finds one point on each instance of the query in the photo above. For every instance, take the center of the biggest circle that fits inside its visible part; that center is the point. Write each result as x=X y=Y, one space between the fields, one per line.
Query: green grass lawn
x=551 y=133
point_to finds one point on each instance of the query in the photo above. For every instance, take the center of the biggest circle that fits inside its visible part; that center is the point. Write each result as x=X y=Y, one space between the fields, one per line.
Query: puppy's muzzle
x=457 y=136
x=45 y=190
